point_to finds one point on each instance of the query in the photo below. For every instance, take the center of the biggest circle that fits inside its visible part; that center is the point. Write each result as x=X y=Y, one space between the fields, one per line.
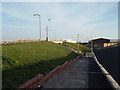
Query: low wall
x=39 y=79
x=109 y=58
x=28 y=40
x=21 y=41
x=70 y=48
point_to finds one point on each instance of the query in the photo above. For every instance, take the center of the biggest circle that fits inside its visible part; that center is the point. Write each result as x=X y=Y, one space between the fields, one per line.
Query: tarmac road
x=84 y=73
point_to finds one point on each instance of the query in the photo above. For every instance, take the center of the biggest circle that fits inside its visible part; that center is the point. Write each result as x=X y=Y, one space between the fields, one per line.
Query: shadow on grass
x=14 y=77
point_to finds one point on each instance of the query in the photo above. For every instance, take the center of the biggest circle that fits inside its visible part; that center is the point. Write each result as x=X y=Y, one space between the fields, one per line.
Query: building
x=110 y=44
x=69 y=40
x=99 y=43
x=85 y=44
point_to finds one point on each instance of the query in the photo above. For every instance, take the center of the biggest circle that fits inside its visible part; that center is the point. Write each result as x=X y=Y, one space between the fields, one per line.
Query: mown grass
x=75 y=45
x=23 y=61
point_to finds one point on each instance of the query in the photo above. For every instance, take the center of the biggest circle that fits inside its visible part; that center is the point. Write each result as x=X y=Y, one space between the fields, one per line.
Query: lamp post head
x=36 y=15
x=48 y=19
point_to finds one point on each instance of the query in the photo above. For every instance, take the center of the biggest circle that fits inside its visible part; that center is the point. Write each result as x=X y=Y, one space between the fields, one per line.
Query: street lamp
x=78 y=42
x=39 y=23
x=49 y=27
x=91 y=43
x=47 y=33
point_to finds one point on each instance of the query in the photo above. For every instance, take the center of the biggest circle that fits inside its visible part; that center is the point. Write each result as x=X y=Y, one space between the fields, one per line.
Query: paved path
x=84 y=73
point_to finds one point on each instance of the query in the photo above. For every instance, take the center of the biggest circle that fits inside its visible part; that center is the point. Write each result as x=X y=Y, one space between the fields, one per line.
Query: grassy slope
x=33 y=58
x=81 y=47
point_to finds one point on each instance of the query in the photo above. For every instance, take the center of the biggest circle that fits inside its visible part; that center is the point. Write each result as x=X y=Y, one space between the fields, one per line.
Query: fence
x=110 y=60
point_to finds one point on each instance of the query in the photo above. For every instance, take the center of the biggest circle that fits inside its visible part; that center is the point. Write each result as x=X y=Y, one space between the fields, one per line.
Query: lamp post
x=91 y=43
x=78 y=42
x=39 y=23
x=49 y=28
x=47 y=32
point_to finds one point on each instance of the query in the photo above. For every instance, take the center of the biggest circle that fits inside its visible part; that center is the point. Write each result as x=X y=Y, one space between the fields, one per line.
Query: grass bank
x=23 y=61
x=75 y=45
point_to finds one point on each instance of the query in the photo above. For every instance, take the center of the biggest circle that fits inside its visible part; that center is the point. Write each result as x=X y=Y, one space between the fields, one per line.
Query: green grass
x=81 y=47
x=23 y=61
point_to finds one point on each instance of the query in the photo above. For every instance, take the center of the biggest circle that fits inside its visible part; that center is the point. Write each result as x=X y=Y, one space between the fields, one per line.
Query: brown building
x=100 y=42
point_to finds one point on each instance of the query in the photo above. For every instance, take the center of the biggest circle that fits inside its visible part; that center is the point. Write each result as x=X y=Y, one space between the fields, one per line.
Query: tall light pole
x=55 y=34
x=47 y=32
x=78 y=41
x=49 y=28
x=91 y=43
x=39 y=23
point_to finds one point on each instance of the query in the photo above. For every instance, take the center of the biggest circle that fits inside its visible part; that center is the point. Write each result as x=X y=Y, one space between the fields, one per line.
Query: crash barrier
x=110 y=79
x=37 y=81
x=109 y=58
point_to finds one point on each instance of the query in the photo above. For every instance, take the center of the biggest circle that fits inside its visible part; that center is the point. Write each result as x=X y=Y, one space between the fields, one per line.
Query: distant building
x=99 y=42
x=110 y=44
x=113 y=42
x=84 y=43
x=69 y=40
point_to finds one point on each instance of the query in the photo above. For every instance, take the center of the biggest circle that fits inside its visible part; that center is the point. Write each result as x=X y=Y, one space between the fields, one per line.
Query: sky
x=67 y=19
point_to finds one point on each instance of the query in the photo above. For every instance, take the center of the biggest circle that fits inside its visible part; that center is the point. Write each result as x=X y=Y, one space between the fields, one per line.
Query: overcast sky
x=67 y=19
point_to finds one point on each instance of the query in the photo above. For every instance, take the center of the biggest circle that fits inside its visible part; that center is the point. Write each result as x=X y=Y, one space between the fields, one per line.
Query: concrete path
x=84 y=73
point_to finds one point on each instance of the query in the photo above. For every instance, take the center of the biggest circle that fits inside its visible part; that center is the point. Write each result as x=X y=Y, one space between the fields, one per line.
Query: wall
x=110 y=60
